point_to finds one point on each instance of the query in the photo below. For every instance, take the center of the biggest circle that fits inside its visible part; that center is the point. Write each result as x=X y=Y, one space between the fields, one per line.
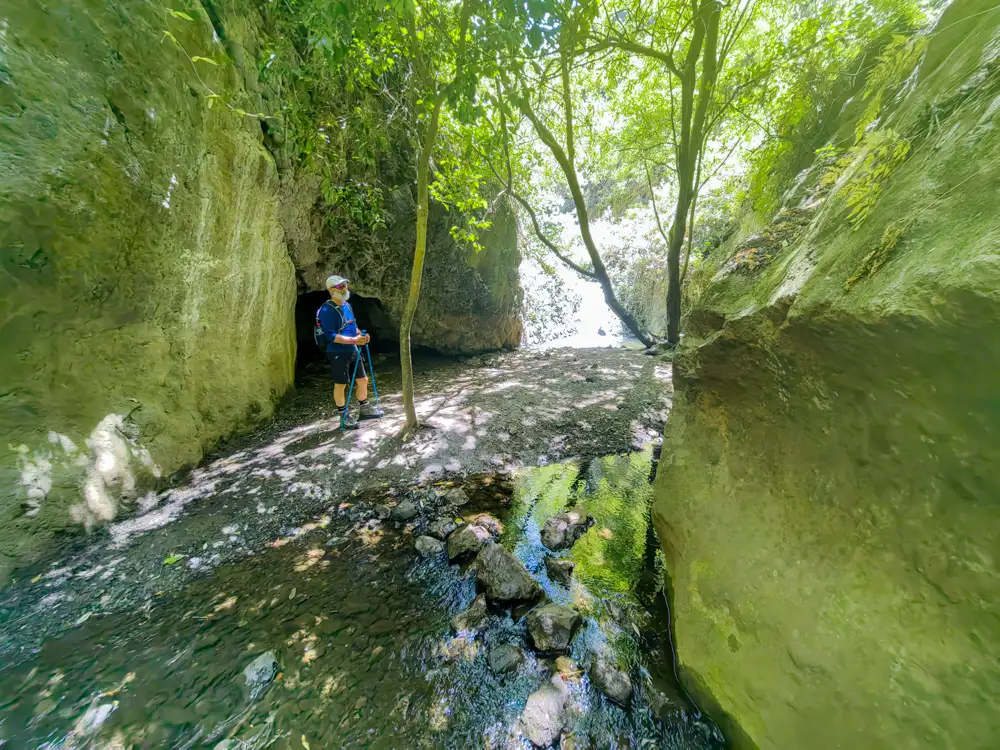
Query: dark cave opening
x=371 y=316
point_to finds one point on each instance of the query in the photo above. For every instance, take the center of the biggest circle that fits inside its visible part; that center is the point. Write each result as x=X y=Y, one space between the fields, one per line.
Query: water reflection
x=359 y=626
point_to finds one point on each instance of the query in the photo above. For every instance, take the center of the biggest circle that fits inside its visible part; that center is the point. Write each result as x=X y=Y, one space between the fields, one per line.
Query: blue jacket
x=337 y=320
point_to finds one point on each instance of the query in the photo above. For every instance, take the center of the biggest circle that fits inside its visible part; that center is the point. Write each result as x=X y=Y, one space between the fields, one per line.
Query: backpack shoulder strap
x=336 y=309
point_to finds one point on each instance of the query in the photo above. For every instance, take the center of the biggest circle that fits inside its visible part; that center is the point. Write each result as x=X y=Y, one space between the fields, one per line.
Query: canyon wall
x=157 y=221
x=827 y=498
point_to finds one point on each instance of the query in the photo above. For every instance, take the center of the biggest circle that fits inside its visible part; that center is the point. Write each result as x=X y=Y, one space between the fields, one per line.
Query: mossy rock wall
x=154 y=233
x=828 y=497
x=147 y=289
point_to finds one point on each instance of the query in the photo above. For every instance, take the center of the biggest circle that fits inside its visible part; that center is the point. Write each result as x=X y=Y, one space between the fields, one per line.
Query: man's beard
x=342 y=296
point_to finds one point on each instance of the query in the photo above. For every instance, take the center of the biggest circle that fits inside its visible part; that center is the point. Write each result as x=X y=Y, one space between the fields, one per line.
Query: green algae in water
x=612 y=555
x=360 y=627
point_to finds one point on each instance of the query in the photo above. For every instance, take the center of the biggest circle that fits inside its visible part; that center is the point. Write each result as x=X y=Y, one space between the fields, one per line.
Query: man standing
x=340 y=330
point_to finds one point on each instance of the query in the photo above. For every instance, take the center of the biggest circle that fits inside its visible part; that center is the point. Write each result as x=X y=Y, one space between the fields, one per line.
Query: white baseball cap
x=333 y=281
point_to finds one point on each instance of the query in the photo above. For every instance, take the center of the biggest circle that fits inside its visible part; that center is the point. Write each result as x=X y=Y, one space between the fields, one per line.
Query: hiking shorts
x=342 y=366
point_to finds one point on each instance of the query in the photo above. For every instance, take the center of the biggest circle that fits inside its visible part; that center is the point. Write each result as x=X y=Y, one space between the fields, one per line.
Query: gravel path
x=488 y=414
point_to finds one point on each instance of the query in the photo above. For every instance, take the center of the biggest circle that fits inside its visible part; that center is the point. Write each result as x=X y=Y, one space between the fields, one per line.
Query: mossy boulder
x=827 y=493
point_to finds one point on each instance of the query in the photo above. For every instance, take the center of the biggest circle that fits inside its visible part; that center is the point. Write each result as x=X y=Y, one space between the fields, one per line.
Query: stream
x=358 y=624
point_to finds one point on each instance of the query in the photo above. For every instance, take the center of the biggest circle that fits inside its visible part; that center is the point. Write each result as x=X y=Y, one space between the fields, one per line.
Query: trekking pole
x=347 y=403
x=371 y=373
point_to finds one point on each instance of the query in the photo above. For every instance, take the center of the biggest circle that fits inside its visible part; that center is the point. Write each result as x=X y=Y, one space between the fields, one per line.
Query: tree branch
x=638 y=49
x=509 y=188
x=652 y=198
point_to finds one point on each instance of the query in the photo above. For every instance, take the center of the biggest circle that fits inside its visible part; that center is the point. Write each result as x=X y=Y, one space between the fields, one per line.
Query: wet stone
x=472 y=618
x=545 y=713
x=503 y=576
x=467 y=540
x=566 y=668
x=428 y=546
x=505 y=658
x=610 y=679
x=94 y=717
x=489 y=522
x=562 y=530
x=442 y=527
x=560 y=569
x=261 y=670
x=404 y=511
x=551 y=627
x=454 y=496
x=382 y=512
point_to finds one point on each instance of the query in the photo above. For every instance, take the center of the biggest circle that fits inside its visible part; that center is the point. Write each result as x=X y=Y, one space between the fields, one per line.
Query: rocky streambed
x=510 y=610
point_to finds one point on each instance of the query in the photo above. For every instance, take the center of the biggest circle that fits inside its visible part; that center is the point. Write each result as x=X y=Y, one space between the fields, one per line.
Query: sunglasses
x=341 y=286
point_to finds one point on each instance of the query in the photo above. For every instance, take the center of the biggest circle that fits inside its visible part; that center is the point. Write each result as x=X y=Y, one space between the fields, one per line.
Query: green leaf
x=179 y=14
x=175 y=558
x=199 y=58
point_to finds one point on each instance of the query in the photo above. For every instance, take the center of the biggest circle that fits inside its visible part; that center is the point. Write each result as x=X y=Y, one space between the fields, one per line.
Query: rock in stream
x=610 y=679
x=467 y=540
x=562 y=530
x=428 y=546
x=545 y=713
x=261 y=670
x=505 y=658
x=441 y=527
x=560 y=569
x=503 y=576
x=472 y=618
x=551 y=627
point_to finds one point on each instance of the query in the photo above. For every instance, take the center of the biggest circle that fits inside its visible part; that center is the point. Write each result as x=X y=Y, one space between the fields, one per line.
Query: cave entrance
x=372 y=317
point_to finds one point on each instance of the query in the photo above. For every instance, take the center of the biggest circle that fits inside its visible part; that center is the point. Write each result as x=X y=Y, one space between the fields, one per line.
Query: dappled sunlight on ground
x=486 y=414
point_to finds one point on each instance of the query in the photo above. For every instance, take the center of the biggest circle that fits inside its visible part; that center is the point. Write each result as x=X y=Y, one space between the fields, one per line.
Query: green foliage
x=361 y=203
x=332 y=65
x=816 y=79
x=894 y=65
x=877 y=257
x=869 y=165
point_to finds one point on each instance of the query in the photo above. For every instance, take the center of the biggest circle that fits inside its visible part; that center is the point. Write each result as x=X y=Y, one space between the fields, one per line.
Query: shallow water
x=359 y=624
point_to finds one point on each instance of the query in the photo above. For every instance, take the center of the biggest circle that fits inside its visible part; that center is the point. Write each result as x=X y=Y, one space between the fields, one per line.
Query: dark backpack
x=318 y=334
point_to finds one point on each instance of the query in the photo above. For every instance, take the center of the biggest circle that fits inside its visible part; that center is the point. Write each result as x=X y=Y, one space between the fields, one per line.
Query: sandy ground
x=488 y=414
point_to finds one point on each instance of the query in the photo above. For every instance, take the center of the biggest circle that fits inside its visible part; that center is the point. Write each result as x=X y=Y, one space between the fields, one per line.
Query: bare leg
x=361 y=384
x=340 y=395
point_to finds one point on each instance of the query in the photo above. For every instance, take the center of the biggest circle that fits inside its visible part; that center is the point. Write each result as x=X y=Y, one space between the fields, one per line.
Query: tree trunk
x=565 y=161
x=417 y=274
x=693 y=115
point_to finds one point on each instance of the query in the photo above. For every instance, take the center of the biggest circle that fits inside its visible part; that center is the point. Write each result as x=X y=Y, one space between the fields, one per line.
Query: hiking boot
x=369 y=411
x=347 y=422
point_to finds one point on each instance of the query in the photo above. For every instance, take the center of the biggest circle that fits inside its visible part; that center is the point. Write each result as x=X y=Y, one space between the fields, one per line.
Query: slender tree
x=431 y=64
x=535 y=82
x=691 y=44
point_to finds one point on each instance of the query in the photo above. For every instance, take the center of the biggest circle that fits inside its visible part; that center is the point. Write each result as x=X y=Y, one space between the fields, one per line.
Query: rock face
x=545 y=713
x=153 y=247
x=560 y=570
x=562 y=530
x=505 y=658
x=826 y=499
x=503 y=576
x=468 y=540
x=551 y=627
x=144 y=228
